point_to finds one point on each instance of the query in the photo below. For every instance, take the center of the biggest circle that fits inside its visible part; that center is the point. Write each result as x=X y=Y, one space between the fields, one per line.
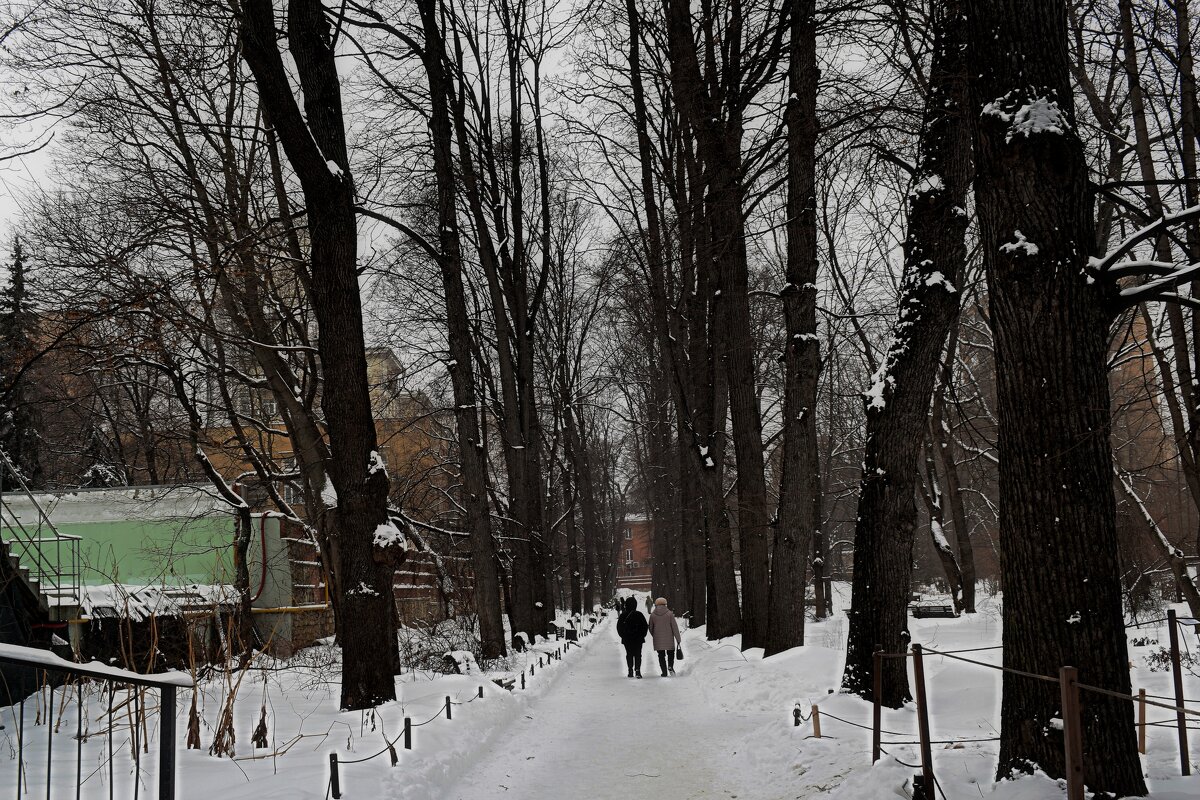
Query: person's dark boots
x=637 y=665
x=629 y=663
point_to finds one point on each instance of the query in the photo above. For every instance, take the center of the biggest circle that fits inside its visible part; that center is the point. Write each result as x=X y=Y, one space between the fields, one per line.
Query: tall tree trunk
x=800 y=484
x=678 y=534
x=315 y=144
x=943 y=443
x=458 y=331
x=898 y=403
x=520 y=594
x=935 y=505
x=1058 y=542
x=1189 y=119
x=691 y=511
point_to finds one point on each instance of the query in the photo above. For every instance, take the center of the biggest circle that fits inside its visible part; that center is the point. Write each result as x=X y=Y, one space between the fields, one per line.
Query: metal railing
x=53 y=560
x=50 y=671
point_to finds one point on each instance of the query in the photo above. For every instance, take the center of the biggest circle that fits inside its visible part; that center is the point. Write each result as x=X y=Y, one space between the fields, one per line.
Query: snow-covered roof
x=184 y=501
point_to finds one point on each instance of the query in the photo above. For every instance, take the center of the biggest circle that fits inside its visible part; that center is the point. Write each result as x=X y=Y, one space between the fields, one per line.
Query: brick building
x=635 y=560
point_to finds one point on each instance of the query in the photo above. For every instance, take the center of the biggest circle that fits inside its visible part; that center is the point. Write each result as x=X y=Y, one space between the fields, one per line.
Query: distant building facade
x=635 y=561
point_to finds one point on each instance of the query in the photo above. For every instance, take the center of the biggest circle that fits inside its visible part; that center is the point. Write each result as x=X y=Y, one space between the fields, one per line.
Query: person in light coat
x=664 y=635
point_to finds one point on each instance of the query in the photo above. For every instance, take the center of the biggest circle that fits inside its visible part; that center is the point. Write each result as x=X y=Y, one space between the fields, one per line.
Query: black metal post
x=447 y=706
x=79 y=739
x=21 y=749
x=112 y=690
x=137 y=745
x=166 y=744
x=408 y=733
x=49 y=731
x=335 y=786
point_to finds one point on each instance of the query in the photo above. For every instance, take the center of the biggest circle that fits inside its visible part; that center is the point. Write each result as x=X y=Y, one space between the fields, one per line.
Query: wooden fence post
x=877 y=711
x=1068 y=678
x=816 y=720
x=335 y=785
x=408 y=733
x=923 y=719
x=447 y=706
x=1142 y=721
x=1185 y=764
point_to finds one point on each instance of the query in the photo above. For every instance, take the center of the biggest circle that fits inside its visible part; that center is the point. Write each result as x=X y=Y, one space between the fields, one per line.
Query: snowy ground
x=722 y=727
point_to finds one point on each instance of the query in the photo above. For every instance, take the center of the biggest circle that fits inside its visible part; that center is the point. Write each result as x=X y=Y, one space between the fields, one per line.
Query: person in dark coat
x=632 y=628
x=665 y=631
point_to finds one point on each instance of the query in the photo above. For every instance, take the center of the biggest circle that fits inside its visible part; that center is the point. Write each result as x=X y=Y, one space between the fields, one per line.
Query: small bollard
x=447 y=706
x=480 y=692
x=540 y=663
x=408 y=733
x=530 y=670
x=522 y=679
x=796 y=717
x=335 y=787
x=816 y=720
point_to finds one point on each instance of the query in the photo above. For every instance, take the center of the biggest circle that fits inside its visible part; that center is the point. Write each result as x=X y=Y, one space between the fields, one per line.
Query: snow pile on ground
x=137 y=603
x=303 y=727
x=723 y=726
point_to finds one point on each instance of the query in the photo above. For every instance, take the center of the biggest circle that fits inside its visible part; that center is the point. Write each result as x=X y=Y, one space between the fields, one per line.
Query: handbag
x=679 y=654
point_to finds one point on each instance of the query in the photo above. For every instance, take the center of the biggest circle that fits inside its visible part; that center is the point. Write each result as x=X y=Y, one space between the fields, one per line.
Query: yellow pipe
x=288 y=609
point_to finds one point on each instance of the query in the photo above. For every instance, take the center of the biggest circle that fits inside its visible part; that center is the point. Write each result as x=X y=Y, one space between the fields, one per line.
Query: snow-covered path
x=599 y=734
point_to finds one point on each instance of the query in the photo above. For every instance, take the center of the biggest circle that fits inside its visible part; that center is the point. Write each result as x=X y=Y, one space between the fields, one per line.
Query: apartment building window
x=629 y=533
x=629 y=555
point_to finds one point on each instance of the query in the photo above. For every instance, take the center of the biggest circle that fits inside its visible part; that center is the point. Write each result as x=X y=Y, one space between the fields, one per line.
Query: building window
x=628 y=555
x=629 y=533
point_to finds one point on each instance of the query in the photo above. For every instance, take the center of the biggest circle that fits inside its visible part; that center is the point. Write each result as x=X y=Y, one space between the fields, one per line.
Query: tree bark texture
x=678 y=497
x=461 y=365
x=800 y=483
x=720 y=265
x=1058 y=544
x=898 y=403
x=522 y=574
x=943 y=443
x=315 y=144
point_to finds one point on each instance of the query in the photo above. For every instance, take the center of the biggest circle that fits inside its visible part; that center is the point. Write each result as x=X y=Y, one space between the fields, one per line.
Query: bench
x=924 y=610
x=505 y=683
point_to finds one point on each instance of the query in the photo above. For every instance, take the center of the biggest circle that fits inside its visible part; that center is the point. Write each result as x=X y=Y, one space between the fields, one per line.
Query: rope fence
x=926 y=782
x=545 y=658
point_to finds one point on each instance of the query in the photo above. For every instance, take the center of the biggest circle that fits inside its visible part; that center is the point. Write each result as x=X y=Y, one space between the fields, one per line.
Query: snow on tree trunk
x=1058 y=543
x=312 y=138
x=898 y=402
x=800 y=483
x=462 y=372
